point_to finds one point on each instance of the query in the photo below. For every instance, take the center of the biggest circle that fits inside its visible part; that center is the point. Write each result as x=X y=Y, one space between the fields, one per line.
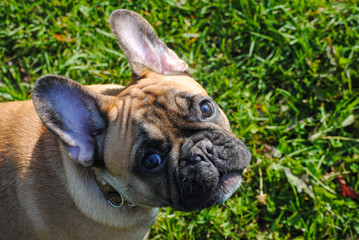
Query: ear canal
x=142 y=48
x=72 y=113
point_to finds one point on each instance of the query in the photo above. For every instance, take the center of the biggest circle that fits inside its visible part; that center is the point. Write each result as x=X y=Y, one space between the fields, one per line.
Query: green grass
x=285 y=72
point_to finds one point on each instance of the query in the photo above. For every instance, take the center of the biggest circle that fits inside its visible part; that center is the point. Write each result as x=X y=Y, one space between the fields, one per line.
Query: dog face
x=161 y=141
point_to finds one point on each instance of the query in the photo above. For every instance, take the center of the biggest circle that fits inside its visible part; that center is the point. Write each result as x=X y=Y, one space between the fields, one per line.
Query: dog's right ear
x=72 y=112
x=143 y=49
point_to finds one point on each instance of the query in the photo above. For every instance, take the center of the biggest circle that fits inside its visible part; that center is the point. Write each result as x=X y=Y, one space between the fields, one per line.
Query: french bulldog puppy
x=96 y=162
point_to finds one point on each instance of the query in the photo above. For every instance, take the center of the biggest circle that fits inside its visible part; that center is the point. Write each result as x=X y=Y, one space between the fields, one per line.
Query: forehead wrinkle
x=158 y=100
x=184 y=83
x=162 y=86
x=161 y=120
x=154 y=131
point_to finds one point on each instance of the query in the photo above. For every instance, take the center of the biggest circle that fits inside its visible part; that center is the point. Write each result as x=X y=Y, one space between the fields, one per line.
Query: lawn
x=285 y=72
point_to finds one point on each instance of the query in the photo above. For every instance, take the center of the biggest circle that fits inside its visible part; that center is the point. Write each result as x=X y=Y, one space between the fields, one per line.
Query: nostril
x=196 y=156
x=208 y=150
x=201 y=151
x=205 y=146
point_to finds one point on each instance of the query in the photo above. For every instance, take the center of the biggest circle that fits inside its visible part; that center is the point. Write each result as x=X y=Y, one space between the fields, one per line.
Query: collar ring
x=114 y=203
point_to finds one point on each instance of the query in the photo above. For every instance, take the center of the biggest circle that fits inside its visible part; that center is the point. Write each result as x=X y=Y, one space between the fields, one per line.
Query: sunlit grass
x=285 y=72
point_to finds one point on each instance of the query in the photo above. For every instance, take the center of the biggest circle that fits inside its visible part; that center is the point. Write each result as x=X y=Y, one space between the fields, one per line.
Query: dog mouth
x=228 y=183
x=198 y=199
x=210 y=170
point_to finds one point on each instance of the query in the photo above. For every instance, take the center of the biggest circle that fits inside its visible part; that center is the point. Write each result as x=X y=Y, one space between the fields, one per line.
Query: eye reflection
x=207 y=109
x=152 y=161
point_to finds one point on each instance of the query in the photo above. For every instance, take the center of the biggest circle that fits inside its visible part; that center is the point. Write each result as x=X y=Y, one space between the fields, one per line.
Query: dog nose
x=202 y=151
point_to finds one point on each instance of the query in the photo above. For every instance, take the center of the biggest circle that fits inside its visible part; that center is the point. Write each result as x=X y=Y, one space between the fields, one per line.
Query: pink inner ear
x=171 y=63
x=154 y=55
x=140 y=49
x=140 y=44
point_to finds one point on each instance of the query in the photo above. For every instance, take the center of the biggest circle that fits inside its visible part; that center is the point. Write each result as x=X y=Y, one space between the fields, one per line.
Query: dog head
x=161 y=141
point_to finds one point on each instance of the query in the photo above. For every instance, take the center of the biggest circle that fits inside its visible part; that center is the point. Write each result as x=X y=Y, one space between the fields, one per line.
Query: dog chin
x=227 y=185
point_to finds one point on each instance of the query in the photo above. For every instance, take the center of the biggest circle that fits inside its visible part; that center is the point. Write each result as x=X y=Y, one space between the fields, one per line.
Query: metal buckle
x=116 y=205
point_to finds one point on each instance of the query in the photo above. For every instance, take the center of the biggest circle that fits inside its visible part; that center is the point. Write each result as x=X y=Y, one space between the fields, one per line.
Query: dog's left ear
x=143 y=49
x=72 y=112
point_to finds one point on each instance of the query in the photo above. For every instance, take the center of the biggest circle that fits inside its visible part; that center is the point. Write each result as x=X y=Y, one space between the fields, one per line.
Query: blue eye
x=152 y=161
x=207 y=109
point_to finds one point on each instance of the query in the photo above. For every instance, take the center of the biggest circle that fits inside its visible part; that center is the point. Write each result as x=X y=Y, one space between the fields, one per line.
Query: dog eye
x=207 y=109
x=152 y=161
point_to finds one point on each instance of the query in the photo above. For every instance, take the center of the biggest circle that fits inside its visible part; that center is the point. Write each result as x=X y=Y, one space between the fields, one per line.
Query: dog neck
x=113 y=197
x=89 y=198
